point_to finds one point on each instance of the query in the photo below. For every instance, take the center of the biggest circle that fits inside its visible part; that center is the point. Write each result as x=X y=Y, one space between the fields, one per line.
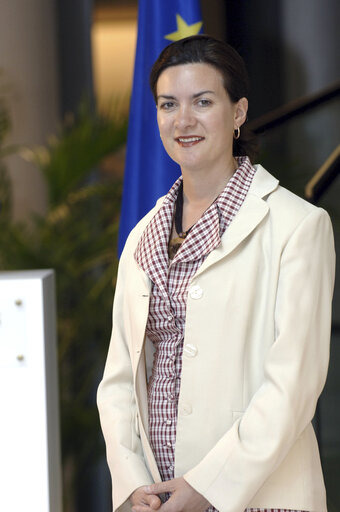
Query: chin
x=187 y=163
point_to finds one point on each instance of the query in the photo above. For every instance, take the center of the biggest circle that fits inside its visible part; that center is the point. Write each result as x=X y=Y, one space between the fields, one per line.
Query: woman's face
x=196 y=117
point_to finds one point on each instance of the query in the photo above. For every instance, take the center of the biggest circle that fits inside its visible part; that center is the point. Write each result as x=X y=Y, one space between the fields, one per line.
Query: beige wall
x=114 y=34
x=28 y=60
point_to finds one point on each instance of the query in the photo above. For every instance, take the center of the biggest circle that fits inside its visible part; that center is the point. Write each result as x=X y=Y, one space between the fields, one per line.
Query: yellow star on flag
x=183 y=29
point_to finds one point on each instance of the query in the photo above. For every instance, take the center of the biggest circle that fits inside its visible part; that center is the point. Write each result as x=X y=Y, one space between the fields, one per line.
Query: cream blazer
x=255 y=359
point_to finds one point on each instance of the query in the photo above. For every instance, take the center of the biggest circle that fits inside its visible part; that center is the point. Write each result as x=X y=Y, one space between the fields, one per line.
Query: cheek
x=164 y=127
x=214 y=122
x=224 y=126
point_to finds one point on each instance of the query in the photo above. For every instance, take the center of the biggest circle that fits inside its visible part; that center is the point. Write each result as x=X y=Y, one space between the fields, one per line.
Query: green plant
x=5 y=187
x=77 y=237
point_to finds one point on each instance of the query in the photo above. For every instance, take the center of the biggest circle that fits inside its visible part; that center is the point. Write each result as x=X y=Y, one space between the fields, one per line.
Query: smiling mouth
x=189 y=141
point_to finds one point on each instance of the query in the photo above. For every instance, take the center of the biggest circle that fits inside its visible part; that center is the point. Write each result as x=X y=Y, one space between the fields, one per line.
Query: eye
x=167 y=105
x=204 y=102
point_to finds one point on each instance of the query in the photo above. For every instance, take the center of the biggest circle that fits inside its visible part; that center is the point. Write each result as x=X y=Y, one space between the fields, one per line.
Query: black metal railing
x=330 y=169
x=324 y=177
x=294 y=108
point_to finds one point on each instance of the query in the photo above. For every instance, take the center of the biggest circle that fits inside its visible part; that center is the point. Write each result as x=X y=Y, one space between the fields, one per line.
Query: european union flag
x=149 y=172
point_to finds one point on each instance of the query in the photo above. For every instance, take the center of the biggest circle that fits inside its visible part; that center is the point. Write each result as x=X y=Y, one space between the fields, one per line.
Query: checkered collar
x=152 y=249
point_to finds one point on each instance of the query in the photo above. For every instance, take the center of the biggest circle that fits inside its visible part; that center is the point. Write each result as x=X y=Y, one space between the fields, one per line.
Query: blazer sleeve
x=117 y=410
x=294 y=374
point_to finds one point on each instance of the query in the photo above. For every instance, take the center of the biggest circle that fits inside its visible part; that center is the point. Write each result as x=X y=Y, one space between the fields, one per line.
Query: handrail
x=323 y=178
x=294 y=108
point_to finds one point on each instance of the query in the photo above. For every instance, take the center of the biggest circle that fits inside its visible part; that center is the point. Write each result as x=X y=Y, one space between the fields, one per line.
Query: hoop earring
x=237 y=133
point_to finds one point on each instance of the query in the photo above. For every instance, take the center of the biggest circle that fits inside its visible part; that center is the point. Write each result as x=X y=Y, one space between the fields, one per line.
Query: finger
x=170 y=506
x=159 y=488
x=153 y=501
x=141 y=508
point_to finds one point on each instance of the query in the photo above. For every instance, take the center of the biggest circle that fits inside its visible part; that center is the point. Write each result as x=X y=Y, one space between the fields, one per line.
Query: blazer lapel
x=251 y=213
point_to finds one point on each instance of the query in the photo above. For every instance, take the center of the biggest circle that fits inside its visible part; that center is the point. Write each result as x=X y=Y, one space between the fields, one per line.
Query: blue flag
x=149 y=171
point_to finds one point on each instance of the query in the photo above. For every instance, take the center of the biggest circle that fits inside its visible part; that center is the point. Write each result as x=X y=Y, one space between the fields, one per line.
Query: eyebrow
x=202 y=92
x=196 y=95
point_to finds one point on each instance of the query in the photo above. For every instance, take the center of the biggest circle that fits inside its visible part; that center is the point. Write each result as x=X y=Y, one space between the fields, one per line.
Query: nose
x=185 y=117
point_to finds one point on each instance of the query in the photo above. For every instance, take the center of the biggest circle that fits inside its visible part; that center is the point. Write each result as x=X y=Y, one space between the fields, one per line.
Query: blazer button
x=196 y=292
x=190 y=350
x=185 y=409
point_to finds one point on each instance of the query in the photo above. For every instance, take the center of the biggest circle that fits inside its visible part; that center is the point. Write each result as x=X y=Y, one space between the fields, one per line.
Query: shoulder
x=137 y=231
x=285 y=207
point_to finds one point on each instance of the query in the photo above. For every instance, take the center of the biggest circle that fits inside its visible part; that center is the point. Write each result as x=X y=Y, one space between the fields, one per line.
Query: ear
x=241 y=109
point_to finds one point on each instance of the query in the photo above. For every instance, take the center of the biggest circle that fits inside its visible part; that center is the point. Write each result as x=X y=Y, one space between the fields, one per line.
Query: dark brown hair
x=208 y=50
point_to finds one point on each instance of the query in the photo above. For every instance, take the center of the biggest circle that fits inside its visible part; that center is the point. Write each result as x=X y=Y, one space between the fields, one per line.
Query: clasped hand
x=183 y=498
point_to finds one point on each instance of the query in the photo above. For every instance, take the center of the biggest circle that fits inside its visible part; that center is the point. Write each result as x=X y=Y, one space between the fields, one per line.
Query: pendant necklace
x=176 y=243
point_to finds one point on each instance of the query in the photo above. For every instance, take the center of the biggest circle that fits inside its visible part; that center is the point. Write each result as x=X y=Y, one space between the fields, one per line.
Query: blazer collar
x=263 y=183
x=251 y=213
x=253 y=210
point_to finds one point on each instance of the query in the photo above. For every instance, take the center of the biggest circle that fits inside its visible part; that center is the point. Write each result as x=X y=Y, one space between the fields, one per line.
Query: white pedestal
x=30 y=468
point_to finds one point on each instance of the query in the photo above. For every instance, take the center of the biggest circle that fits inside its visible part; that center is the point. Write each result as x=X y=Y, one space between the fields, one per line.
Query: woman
x=221 y=317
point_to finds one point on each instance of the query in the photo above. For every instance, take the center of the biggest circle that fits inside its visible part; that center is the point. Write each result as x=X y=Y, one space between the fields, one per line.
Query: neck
x=201 y=187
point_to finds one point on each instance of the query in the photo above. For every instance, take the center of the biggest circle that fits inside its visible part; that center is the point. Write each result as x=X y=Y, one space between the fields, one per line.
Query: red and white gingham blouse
x=170 y=285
